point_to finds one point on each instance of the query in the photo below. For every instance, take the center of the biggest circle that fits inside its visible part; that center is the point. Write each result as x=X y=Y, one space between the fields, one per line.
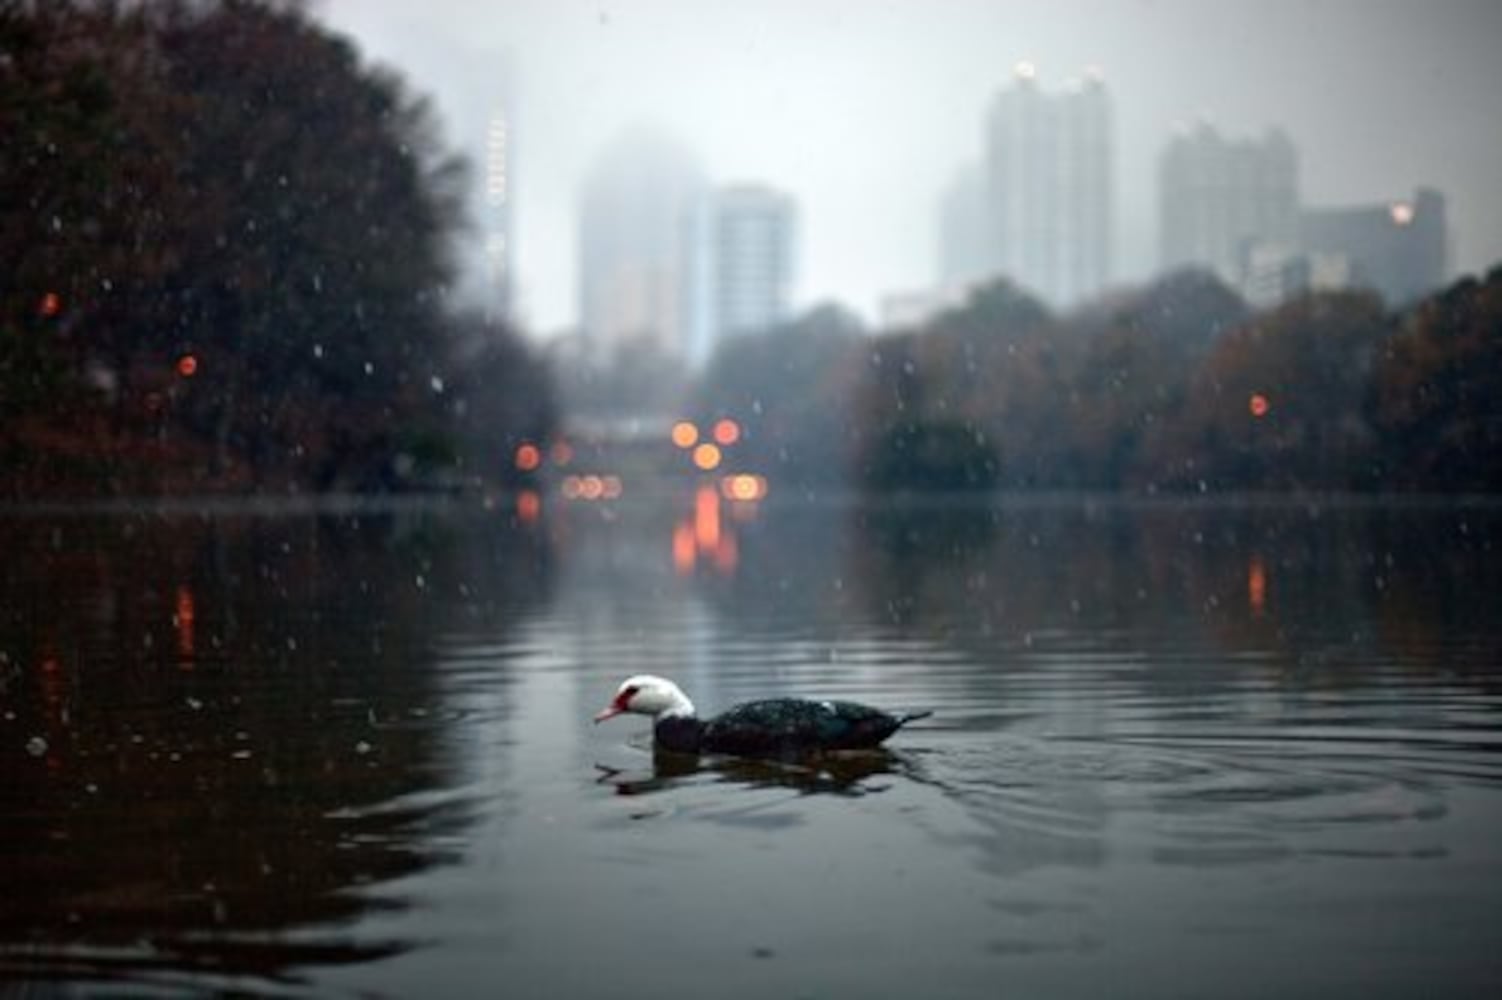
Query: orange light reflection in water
x=183 y=620
x=55 y=699
x=528 y=506
x=704 y=535
x=727 y=555
x=684 y=551
x=1256 y=586
x=707 y=519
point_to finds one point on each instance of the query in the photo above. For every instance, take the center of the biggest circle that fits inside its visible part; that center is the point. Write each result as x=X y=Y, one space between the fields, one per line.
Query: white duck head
x=646 y=694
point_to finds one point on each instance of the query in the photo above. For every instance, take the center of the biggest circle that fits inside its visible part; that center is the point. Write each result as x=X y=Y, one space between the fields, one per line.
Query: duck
x=771 y=727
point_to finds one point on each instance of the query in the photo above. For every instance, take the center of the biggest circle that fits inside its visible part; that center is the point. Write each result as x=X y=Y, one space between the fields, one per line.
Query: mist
x=863 y=112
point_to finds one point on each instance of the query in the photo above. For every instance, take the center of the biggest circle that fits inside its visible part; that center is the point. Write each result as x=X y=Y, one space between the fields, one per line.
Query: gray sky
x=863 y=109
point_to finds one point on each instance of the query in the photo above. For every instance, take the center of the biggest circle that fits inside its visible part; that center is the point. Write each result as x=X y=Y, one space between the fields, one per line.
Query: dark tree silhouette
x=1437 y=392
x=232 y=247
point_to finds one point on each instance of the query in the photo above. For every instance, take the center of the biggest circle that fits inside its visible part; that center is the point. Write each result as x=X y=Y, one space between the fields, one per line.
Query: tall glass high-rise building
x=752 y=247
x=1219 y=199
x=1047 y=187
x=499 y=276
x=643 y=277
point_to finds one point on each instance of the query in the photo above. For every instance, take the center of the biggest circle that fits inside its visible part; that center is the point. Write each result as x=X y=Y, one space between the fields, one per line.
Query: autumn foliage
x=1177 y=387
x=227 y=245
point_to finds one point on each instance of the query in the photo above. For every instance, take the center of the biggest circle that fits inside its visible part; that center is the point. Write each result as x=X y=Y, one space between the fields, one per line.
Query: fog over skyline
x=863 y=111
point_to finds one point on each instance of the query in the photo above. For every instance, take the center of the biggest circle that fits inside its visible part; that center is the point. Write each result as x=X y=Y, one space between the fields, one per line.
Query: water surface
x=1211 y=749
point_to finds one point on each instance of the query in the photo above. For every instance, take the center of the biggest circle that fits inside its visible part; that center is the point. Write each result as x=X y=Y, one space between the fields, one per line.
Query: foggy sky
x=864 y=109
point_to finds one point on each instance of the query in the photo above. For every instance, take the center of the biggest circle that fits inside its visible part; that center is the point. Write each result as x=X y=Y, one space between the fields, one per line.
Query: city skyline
x=754 y=254
x=641 y=247
x=864 y=114
x=1047 y=187
x=674 y=260
x=1233 y=206
x=1218 y=192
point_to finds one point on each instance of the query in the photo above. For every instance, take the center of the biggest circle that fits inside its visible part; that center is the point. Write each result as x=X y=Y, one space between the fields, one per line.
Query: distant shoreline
x=297 y=504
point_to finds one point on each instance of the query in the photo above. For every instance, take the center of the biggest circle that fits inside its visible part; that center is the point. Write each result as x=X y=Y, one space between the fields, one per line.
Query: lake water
x=1177 y=750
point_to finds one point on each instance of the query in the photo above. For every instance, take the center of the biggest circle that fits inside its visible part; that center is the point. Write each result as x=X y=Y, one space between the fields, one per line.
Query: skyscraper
x=642 y=270
x=497 y=221
x=1048 y=186
x=1399 y=250
x=752 y=246
x=964 y=255
x=1219 y=199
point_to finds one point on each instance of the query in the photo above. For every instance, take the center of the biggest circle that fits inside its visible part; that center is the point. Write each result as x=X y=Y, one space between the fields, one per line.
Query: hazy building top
x=1046 y=188
x=1398 y=249
x=1217 y=196
x=753 y=251
x=641 y=273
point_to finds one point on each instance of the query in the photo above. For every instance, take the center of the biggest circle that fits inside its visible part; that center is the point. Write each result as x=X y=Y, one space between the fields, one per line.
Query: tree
x=791 y=389
x=242 y=236
x=1437 y=392
x=985 y=373
x=502 y=396
x=1129 y=369
x=1279 y=403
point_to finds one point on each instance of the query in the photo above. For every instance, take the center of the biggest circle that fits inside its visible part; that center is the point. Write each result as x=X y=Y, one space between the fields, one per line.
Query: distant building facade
x=1399 y=250
x=1219 y=197
x=499 y=268
x=1047 y=187
x=964 y=230
x=1273 y=273
x=1234 y=207
x=910 y=310
x=643 y=273
x=753 y=246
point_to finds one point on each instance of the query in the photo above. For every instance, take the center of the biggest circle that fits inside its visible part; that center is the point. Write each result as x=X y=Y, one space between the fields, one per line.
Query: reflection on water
x=1191 y=747
x=835 y=773
x=220 y=730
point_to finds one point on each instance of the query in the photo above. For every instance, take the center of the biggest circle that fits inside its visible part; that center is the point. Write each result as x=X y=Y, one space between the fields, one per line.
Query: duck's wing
x=783 y=725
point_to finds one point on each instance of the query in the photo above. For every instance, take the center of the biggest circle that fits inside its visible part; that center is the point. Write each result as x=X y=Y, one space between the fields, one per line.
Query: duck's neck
x=679 y=708
x=679 y=733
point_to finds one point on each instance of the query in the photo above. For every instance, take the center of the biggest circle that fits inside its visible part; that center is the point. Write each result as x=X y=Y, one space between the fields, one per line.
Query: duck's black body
x=778 y=727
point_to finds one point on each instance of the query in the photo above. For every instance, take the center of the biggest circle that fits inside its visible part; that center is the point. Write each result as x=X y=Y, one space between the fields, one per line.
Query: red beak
x=617 y=706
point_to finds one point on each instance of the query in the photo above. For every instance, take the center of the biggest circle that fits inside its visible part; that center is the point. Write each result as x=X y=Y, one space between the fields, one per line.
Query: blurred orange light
x=743 y=487
x=684 y=552
x=591 y=488
x=51 y=305
x=707 y=519
x=1258 y=405
x=187 y=366
x=685 y=434
x=1256 y=586
x=727 y=555
x=727 y=431
x=571 y=488
x=528 y=457
x=707 y=456
x=183 y=617
x=528 y=506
